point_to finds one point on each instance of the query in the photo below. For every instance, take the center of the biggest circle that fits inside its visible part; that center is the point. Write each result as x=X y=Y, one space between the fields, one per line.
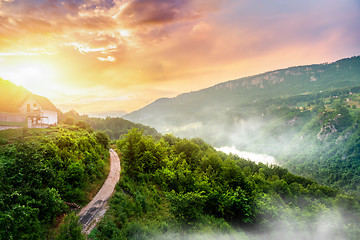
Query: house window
x=34 y=105
x=28 y=107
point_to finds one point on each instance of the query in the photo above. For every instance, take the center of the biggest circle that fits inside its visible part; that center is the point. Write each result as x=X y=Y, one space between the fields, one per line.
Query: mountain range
x=206 y=108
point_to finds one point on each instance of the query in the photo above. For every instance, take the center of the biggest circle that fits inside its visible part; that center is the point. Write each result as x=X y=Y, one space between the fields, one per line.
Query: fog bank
x=329 y=225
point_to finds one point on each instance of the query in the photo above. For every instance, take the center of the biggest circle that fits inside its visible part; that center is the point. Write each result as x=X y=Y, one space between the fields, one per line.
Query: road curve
x=95 y=210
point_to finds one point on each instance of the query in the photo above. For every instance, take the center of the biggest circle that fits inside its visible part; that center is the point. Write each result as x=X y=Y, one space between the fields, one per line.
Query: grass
x=7 y=136
x=10 y=134
x=6 y=123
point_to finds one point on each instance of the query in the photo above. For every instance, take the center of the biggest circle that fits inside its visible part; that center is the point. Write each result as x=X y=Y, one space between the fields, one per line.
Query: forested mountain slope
x=307 y=117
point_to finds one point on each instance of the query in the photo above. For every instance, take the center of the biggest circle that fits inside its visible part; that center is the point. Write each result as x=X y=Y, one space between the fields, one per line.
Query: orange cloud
x=155 y=12
x=96 y=22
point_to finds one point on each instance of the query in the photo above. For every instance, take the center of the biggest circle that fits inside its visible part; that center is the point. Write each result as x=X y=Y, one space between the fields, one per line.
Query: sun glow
x=125 y=33
x=36 y=76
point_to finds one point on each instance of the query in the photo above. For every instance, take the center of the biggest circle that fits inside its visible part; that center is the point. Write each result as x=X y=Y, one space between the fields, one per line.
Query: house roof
x=45 y=103
x=42 y=101
x=12 y=97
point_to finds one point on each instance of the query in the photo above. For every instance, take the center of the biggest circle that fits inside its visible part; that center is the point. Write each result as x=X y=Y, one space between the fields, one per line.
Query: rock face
x=326 y=131
x=256 y=81
x=329 y=128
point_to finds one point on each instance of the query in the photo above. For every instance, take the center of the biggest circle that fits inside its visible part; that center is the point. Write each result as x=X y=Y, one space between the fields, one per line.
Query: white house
x=20 y=108
x=39 y=111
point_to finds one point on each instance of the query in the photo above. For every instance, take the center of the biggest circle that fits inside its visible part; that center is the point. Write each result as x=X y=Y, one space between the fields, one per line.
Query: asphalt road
x=95 y=210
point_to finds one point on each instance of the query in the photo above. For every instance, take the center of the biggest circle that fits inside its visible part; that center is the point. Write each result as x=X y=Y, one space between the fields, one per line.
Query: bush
x=70 y=229
x=39 y=172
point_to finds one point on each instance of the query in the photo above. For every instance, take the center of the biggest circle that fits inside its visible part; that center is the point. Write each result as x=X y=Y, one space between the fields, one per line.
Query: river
x=255 y=157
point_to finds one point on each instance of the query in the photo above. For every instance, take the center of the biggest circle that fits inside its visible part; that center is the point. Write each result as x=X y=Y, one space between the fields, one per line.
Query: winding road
x=95 y=210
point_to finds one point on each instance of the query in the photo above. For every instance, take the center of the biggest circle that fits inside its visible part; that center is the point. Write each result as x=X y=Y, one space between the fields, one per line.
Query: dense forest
x=326 y=147
x=314 y=135
x=41 y=172
x=171 y=187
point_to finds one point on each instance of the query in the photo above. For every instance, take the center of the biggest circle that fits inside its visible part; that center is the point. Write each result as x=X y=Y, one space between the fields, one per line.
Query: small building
x=39 y=111
x=29 y=110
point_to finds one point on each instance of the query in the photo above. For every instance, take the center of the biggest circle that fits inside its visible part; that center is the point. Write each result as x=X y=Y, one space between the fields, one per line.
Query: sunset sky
x=120 y=55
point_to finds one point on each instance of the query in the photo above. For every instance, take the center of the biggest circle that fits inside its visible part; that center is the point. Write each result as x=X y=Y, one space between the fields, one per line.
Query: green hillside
x=41 y=172
x=175 y=188
x=11 y=96
x=307 y=117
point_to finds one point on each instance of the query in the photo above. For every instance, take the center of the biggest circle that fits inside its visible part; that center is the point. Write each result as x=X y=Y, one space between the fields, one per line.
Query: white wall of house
x=52 y=117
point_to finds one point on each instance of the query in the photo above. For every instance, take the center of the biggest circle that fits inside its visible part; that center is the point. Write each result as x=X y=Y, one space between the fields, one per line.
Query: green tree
x=69 y=121
x=130 y=149
x=102 y=138
x=84 y=125
x=187 y=207
x=21 y=222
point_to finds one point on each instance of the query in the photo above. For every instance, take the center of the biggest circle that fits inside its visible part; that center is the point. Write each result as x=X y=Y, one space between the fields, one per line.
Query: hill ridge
x=267 y=72
x=283 y=82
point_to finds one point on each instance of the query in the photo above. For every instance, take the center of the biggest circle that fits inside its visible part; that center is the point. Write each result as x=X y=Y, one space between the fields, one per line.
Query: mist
x=256 y=138
x=255 y=157
x=326 y=226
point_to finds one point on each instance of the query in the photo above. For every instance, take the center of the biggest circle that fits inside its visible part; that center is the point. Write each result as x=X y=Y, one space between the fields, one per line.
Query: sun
x=39 y=77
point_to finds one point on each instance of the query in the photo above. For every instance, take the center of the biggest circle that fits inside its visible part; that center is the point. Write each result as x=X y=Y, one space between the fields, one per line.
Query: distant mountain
x=113 y=114
x=207 y=107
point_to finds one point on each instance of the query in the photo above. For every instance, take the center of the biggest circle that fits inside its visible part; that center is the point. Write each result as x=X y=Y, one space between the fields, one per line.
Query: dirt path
x=95 y=210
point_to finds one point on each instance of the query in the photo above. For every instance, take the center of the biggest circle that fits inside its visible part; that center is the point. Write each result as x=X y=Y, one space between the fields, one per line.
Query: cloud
x=57 y=22
x=155 y=12
x=88 y=21
x=140 y=12
x=108 y=59
x=5 y=1
x=177 y=45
